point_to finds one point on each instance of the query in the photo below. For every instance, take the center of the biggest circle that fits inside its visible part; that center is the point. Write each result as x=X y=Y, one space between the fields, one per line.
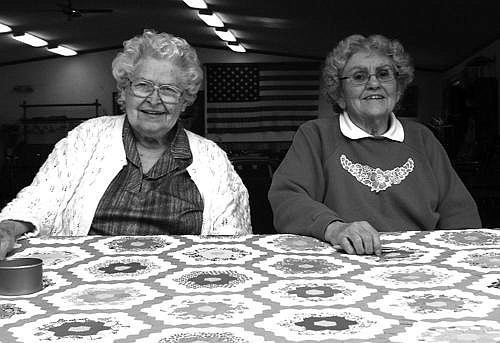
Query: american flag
x=260 y=101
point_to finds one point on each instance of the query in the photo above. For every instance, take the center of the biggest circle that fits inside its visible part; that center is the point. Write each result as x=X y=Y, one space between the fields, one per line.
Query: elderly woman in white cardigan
x=137 y=174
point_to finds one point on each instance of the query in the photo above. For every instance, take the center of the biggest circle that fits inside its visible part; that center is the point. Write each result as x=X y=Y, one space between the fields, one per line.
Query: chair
x=256 y=173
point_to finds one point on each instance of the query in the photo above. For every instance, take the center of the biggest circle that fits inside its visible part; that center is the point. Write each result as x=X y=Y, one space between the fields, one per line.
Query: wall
x=61 y=80
x=429 y=94
x=491 y=51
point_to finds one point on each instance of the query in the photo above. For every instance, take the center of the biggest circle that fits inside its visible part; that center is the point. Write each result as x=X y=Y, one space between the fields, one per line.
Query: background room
x=454 y=45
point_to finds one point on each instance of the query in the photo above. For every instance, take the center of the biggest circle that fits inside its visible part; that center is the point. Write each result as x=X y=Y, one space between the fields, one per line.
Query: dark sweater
x=395 y=186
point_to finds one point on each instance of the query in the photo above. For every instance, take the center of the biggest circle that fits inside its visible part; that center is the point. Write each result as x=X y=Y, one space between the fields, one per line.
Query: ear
x=398 y=96
x=399 y=93
x=341 y=102
x=183 y=106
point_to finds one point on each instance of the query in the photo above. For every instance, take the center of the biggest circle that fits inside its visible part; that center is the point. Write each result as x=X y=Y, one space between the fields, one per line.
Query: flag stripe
x=281 y=87
x=261 y=108
x=259 y=118
x=265 y=136
x=256 y=126
x=271 y=103
x=308 y=66
x=288 y=97
x=289 y=78
x=255 y=129
x=278 y=114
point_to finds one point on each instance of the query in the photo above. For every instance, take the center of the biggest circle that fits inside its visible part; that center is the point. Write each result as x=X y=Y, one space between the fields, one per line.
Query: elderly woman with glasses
x=348 y=177
x=137 y=174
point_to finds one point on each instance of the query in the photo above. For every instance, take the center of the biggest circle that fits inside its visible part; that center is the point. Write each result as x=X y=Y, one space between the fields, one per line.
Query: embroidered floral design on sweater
x=376 y=178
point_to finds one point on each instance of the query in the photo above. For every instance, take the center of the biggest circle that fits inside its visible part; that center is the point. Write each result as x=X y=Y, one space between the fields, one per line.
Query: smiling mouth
x=154 y=113
x=374 y=97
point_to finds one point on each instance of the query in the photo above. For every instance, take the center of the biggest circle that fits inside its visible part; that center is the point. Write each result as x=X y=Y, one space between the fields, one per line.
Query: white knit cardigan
x=63 y=197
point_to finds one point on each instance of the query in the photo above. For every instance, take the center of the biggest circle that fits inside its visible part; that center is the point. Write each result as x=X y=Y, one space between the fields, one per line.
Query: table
x=437 y=286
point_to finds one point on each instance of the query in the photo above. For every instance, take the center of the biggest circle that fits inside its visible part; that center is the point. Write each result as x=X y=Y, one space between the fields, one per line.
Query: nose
x=373 y=81
x=154 y=97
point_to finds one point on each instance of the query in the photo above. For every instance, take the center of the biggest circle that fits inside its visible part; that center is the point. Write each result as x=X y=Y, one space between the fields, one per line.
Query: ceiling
x=437 y=33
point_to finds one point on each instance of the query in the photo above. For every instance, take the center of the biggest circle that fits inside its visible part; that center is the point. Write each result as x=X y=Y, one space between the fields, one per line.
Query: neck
x=153 y=143
x=373 y=126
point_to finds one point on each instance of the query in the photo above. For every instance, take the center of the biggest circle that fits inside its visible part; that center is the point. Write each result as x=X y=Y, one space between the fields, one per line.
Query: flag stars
x=233 y=84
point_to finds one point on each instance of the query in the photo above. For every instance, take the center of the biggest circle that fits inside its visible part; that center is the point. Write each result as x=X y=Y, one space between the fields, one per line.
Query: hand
x=355 y=238
x=7 y=238
x=10 y=230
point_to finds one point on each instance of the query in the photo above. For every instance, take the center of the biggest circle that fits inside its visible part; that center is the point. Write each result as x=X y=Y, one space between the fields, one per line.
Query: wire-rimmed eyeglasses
x=361 y=77
x=169 y=94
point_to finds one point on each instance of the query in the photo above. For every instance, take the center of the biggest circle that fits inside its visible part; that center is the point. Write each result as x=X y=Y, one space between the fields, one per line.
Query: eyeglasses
x=361 y=77
x=169 y=94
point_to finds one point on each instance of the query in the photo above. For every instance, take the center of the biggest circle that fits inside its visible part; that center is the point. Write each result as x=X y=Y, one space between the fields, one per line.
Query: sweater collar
x=350 y=130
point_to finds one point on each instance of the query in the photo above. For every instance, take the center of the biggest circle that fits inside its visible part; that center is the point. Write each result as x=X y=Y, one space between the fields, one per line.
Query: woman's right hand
x=355 y=238
x=10 y=230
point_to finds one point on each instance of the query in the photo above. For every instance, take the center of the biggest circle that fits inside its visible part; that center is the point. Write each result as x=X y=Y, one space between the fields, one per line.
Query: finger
x=377 y=247
x=4 y=248
x=371 y=239
x=346 y=245
x=367 y=243
x=357 y=243
x=6 y=245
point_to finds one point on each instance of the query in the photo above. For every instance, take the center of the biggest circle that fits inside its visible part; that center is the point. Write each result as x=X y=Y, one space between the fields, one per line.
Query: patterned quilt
x=438 y=286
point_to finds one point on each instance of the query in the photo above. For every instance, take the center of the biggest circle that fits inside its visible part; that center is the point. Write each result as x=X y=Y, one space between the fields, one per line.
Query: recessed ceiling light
x=199 y=4
x=225 y=34
x=4 y=28
x=29 y=39
x=210 y=18
x=61 y=50
x=236 y=47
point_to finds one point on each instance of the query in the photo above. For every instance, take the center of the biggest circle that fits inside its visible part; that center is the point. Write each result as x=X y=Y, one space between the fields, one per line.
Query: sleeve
x=298 y=188
x=41 y=201
x=456 y=206
x=231 y=212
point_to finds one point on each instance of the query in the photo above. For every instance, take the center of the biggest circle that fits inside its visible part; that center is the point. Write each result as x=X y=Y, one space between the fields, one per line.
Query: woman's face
x=374 y=99
x=150 y=116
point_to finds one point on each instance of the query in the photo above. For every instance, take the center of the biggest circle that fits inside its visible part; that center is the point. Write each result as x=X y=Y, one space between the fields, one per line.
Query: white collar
x=350 y=130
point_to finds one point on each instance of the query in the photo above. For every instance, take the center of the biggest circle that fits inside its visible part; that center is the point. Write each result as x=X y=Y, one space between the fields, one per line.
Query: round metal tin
x=19 y=276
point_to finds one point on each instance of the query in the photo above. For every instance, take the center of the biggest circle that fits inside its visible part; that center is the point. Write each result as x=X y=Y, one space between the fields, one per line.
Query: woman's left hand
x=355 y=238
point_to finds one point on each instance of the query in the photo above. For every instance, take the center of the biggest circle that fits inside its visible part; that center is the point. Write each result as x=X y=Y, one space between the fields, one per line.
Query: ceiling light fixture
x=210 y=18
x=235 y=46
x=61 y=50
x=225 y=34
x=29 y=39
x=4 y=28
x=199 y=4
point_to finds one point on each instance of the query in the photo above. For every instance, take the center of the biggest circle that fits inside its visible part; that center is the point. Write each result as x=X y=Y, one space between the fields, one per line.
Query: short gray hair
x=338 y=57
x=161 y=46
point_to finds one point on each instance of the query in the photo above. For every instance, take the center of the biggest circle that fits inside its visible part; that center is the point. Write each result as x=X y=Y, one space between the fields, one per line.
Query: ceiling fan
x=72 y=12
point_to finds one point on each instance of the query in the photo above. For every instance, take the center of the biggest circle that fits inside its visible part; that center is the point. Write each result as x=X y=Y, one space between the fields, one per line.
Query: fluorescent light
x=210 y=18
x=4 y=28
x=225 y=34
x=30 y=40
x=236 y=47
x=199 y=4
x=61 y=50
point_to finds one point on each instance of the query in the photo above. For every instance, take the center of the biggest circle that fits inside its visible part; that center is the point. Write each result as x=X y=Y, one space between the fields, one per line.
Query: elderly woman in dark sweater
x=348 y=177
